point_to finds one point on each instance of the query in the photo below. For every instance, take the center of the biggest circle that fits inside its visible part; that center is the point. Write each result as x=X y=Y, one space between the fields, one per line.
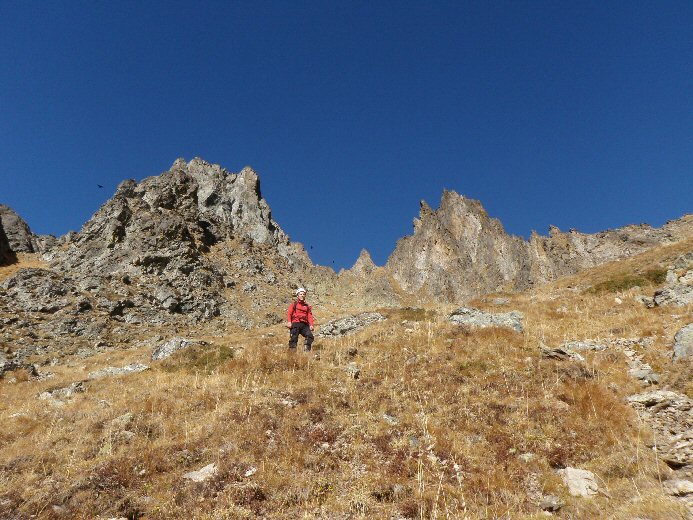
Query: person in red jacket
x=300 y=320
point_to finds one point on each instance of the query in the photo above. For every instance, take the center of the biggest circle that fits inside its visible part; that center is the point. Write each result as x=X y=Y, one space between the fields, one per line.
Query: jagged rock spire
x=364 y=265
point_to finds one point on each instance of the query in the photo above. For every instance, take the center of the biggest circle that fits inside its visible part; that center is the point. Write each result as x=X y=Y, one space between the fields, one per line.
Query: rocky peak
x=456 y=251
x=7 y=256
x=364 y=265
x=17 y=232
x=157 y=235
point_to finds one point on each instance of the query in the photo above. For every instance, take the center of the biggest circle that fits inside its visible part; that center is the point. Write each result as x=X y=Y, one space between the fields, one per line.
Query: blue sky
x=577 y=114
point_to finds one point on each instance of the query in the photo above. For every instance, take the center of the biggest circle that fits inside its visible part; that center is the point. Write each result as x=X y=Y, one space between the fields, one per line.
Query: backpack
x=293 y=308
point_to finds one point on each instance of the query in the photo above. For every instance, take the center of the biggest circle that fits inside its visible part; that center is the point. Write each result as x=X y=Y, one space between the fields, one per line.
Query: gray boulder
x=683 y=343
x=350 y=324
x=202 y=474
x=479 y=319
x=560 y=353
x=670 y=415
x=167 y=349
x=63 y=393
x=580 y=482
x=583 y=345
x=115 y=371
x=678 y=295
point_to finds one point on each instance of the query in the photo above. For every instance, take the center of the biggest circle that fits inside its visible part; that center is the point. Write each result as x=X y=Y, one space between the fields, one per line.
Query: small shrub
x=203 y=358
x=625 y=282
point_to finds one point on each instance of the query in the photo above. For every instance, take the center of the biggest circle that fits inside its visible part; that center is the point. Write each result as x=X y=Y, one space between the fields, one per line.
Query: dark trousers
x=304 y=330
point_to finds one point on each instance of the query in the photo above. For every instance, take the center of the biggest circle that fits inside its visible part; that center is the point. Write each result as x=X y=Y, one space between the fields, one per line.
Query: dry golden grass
x=24 y=260
x=438 y=425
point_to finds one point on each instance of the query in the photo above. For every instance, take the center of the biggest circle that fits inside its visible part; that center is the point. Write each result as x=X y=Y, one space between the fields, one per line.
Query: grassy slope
x=434 y=427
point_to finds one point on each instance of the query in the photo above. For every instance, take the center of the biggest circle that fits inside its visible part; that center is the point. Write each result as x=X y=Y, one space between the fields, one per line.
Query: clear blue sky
x=578 y=114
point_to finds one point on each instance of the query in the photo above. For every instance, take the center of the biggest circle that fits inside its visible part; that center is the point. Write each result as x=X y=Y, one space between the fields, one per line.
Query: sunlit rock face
x=458 y=251
x=149 y=242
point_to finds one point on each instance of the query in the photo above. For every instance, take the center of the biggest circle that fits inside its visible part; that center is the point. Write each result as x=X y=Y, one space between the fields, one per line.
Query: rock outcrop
x=350 y=324
x=683 y=343
x=7 y=256
x=458 y=251
x=149 y=244
x=670 y=416
x=19 y=235
x=678 y=291
x=474 y=318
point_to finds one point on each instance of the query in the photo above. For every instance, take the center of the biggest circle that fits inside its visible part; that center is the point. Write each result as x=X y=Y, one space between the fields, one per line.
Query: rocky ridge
x=198 y=242
x=458 y=251
x=20 y=238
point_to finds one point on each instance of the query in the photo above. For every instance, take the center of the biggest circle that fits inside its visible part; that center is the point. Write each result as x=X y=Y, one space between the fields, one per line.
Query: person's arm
x=289 y=315
x=310 y=317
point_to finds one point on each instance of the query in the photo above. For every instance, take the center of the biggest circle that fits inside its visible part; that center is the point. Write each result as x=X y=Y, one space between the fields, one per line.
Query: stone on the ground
x=353 y=370
x=550 y=503
x=115 y=371
x=202 y=474
x=678 y=487
x=678 y=295
x=683 y=343
x=350 y=324
x=63 y=393
x=583 y=345
x=165 y=350
x=670 y=416
x=645 y=374
x=580 y=482
x=479 y=319
x=561 y=353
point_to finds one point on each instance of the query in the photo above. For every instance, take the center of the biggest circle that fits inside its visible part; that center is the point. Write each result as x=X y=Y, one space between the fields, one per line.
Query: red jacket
x=300 y=312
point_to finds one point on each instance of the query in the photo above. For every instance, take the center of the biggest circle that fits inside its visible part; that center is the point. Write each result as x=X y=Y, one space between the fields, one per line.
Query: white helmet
x=300 y=290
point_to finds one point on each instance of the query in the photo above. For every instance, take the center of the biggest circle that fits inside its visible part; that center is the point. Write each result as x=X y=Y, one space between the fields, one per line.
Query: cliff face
x=198 y=241
x=458 y=251
x=7 y=256
x=18 y=235
x=152 y=244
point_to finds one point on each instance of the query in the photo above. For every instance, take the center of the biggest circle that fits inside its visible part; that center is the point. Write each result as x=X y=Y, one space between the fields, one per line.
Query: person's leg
x=308 y=334
x=293 y=334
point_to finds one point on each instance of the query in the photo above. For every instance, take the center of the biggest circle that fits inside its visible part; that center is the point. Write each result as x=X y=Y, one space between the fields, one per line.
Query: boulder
x=580 y=482
x=63 y=393
x=350 y=324
x=166 y=349
x=683 y=343
x=670 y=416
x=561 y=353
x=202 y=474
x=353 y=370
x=678 y=487
x=115 y=371
x=678 y=295
x=479 y=319
x=583 y=345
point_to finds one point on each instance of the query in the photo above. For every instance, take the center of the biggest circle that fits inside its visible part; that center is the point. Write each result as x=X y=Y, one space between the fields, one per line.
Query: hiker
x=300 y=320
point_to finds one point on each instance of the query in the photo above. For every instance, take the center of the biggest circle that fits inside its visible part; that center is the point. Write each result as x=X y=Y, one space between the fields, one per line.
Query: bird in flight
x=99 y=185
